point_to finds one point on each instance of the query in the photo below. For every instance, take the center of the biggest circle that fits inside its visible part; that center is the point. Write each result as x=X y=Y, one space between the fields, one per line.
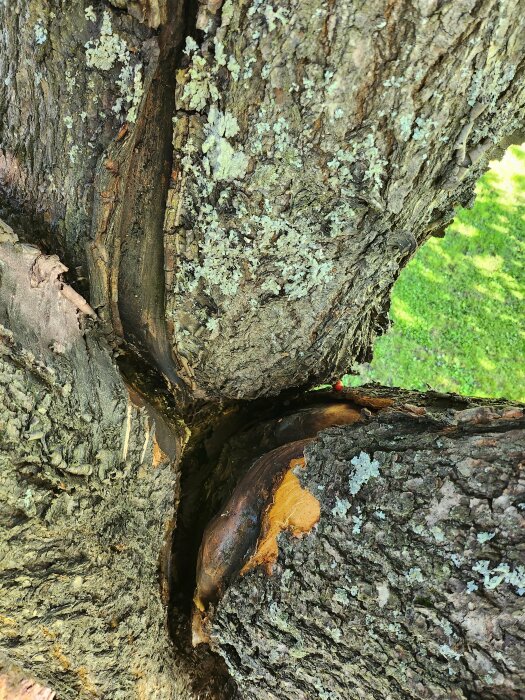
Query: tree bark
x=417 y=569
x=89 y=486
x=411 y=583
x=314 y=148
x=235 y=207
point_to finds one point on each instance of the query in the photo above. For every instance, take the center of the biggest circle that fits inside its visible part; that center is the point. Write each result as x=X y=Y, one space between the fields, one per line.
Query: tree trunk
x=409 y=585
x=314 y=148
x=89 y=486
x=235 y=207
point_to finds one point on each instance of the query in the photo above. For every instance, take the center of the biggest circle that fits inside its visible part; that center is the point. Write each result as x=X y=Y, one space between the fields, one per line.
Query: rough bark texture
x=86 y=100
x=316 y=145
x=89 y=490
x=411 y=585
x=242 y=209
x=375 y=601
x=61 y=106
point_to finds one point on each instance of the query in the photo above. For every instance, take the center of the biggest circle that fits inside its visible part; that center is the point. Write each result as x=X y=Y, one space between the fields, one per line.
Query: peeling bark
x=89 y=482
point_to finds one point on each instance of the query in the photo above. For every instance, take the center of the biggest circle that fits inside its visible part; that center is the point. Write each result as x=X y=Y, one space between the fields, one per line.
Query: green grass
x=459 y=306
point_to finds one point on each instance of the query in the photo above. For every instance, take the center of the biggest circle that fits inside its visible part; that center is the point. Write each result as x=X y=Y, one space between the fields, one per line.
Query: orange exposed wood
x=294 y=508
x=158 y=454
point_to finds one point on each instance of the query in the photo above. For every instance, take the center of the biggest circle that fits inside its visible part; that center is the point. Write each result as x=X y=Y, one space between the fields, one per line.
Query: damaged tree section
x=412 y=582
x=88 y=491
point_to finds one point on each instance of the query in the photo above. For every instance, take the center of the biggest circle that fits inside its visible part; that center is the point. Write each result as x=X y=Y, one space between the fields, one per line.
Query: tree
x=235 y=189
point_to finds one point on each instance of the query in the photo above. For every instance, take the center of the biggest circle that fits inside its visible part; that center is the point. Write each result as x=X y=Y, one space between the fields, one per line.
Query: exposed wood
x=250 y=244
x=293 y=508
x=234 y=209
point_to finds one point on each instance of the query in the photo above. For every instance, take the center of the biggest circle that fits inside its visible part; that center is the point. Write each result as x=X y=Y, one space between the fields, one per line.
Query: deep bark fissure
x=140 y=225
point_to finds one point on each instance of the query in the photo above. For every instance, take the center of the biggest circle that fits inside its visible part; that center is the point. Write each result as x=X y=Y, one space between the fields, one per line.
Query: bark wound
x=267 y=500
x=293 y=508
x=413 y=584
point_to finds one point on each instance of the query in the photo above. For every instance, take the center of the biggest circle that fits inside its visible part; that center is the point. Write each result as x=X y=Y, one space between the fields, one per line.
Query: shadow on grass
x=458 y=307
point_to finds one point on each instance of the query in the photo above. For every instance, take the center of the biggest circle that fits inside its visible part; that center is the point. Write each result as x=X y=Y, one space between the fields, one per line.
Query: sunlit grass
x=459 y=306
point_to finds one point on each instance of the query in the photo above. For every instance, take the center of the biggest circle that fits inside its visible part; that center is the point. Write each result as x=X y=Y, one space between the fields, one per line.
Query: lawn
x=458 y=307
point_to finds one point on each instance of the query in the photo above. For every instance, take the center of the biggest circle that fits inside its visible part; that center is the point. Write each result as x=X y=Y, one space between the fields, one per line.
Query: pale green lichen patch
x=364 y=469
x=501 y=573
x=108 y=49
x=483 y=537
x=90 y=14
x=341 y=508
x=341 y=596
x=414 y=575
x=199 y=86
x=221 y=160
x=357 y=521
x=449 y=653
x=104 y=53
x=40 y=33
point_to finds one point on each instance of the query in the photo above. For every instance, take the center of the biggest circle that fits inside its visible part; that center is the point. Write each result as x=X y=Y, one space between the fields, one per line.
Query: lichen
x=221 y=160
x=483 y=537
x=341 y=508
x=199 y=86
x=501 y=573
x=106 y=51
x=130 y=84
x=364 y=470
x=40 y=33
x=472 y=586
x=456 y=559
x=357 y=524
x=89 y=14
x=190 y=46
x=234 y=68
x=341 y=596
x=414 y=575
x=73 y=153
x=449 y=653
x=272 y=16
x=424 y=128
